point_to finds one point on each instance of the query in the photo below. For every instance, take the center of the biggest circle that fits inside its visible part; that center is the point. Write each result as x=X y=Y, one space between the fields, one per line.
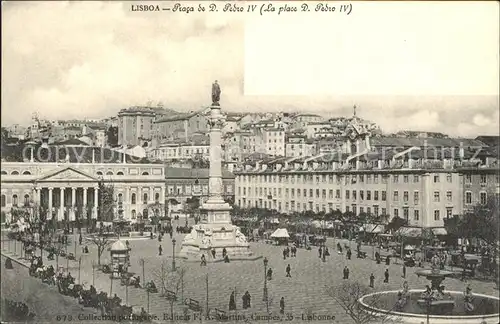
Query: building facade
x=135 y=125
x=479 y=184
x=181 y=126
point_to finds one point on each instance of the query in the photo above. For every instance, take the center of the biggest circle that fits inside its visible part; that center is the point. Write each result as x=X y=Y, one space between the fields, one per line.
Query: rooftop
x=189 y=173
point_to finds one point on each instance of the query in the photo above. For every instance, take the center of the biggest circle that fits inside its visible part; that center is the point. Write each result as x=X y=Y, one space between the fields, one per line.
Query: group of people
x=288 y=250
x=246 y=301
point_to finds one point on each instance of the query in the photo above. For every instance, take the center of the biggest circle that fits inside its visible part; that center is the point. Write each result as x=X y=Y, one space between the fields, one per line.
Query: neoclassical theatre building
x=66 y=182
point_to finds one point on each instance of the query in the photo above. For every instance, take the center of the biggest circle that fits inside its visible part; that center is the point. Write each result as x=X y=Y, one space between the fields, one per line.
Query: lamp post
x=173 y=254
x=264 y=295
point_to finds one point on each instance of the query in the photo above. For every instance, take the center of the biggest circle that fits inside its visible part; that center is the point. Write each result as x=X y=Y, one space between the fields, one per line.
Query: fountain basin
x=485 y=308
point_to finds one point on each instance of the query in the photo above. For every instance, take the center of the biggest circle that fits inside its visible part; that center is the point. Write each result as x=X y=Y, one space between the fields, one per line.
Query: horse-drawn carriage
x=128 y=279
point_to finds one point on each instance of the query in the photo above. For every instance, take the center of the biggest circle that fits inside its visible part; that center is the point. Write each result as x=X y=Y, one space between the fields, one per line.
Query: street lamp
x=264 y=296
x=173 y=254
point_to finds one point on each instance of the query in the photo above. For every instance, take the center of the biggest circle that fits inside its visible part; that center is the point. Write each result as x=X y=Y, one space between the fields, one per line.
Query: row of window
x=99 y=173
x=15 y=200
x=483 y=179
x=348 y=194
x=293 y=206
x=348 y=179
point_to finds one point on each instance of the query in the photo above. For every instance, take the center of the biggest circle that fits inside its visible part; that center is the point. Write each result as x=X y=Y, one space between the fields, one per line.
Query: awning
x=280 y=233
x=439 y=231
x=372 y=228
x=409 y=231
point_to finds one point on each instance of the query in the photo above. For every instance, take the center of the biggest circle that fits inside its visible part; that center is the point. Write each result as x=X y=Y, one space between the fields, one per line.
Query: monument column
x=215 y=171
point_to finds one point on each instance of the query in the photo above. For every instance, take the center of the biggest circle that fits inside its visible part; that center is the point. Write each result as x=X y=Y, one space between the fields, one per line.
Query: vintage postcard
x=250 y=162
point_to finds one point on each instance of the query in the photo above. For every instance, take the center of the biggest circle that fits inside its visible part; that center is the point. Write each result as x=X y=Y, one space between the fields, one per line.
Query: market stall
x=280 y=236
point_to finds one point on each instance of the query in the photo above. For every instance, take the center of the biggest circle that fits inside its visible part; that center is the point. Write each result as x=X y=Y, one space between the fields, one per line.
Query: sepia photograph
x=250 y=162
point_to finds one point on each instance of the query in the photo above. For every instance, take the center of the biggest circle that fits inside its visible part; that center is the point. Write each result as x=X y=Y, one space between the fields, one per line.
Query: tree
x=347 y=296
x=480 y=223
x=169 y=278
x=396 y=223
x=106 y=202
x=101 y=242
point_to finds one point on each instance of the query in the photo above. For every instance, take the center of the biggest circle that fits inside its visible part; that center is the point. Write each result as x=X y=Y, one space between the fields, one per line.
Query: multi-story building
x=97 y=132
x=274 y=141
x=479 y=183
x=181 y=126
x=299 y=146
x=196 y=148
x=412 y=183
x=302 y=120
x=187 y=183
x=69 y=190
x=318 y=130
x=136 y=125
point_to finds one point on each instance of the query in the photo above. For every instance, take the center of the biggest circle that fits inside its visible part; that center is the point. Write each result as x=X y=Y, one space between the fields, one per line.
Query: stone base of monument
x=207 y=237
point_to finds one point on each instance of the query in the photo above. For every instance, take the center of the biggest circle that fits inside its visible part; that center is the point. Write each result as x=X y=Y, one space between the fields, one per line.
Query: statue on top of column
x=215 y=93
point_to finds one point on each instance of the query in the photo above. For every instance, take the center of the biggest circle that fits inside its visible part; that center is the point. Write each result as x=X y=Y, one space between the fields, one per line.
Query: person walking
x=346 y=272
x=269 y=274
x=160 y=250
x=213 y=253
x=288 y=271
x=372 y=280
x=386 y=275
x=349 y=253
x=232 y=302
x=282 y=305
x=284 y=254
x=319 y=252
x=404 y=271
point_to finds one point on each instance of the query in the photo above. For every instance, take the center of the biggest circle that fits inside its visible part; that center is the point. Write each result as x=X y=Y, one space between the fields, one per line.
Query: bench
x=193 y=305
x=170 y=295
x=218 y=315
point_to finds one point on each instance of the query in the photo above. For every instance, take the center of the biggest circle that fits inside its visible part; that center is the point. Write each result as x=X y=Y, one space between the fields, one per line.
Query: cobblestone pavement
x=304 y=292
x=43 y=300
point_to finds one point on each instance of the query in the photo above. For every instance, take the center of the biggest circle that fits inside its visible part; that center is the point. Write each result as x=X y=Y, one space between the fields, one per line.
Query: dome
x=118 y=246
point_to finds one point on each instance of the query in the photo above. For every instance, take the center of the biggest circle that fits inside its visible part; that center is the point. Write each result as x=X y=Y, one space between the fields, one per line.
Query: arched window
x=14 y=173
x=133 y=198
x=99 y=173
x=120 y=198
x=145 y=173
x=145 y=198
x=4 y=203
x=157 y=197
x=145 y=214
x=26 y=200
x=109 y=173
x=4 y=172
x=134 y=216
x=14 y=200
x=26 y=173
x=119 y=173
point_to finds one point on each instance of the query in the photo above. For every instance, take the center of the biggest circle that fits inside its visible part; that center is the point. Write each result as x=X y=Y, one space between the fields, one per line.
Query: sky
x=417 y=66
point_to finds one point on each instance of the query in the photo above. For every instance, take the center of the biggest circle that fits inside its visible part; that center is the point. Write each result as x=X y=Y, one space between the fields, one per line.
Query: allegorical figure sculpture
x=215 y=93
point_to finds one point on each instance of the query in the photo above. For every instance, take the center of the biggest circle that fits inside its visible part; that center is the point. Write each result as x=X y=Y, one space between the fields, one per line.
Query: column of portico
x=61 y=211
x=49 y=216
x=96 y=198
x=72 y=214
x=38 y=198
x=84 y=202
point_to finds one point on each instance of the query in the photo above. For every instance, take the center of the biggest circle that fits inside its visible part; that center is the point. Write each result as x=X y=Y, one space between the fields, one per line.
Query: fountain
x=433 y=304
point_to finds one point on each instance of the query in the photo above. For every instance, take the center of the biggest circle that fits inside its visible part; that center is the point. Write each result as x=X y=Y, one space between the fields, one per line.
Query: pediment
x=68 y=174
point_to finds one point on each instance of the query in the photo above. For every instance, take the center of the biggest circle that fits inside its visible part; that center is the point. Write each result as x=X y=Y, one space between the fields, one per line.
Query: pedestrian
x=80 y=239
x=246 y=300
x=203 y=260
x=386 y=275
x=282 y=305
x=319 y=251
x=288 y=271
x=226 y=259
x=160 y=250
x=284 y=254
x=346 y=272
x=387 y=260
x=232 y=302
x=372 y=280
x=269 y=274
x=213 y=253
x=404 y=271
x=224 y=252
x=348 y=253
